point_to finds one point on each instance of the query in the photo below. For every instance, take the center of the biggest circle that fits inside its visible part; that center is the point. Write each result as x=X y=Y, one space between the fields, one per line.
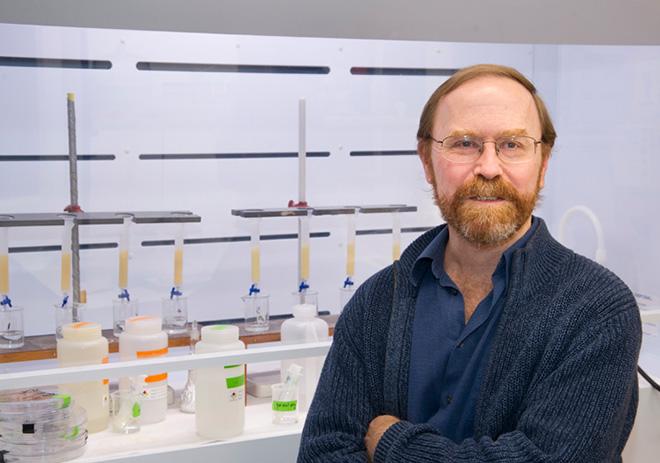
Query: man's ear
x=424 y=153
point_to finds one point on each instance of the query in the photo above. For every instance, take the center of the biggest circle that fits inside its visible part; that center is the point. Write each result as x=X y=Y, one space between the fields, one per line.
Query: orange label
x=156 y=378
x=105 y=360
x=80 y=324
x=145 y=354
x=141 y=317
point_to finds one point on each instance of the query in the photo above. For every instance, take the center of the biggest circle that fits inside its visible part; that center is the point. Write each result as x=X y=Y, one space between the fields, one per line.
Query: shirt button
x=453 y=291
x=449 y=397
x=460 y=345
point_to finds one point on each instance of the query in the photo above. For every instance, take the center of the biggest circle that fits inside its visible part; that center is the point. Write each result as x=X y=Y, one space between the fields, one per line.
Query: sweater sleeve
x=581 y=412
x=342 y=407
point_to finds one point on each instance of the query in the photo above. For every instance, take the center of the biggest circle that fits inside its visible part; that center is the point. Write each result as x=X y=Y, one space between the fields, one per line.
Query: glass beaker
x=125 y=410
x=11 y=327
x=121 y=310
x=256 y=312
x=175 y=314
x=307 y=297
x=345 y=295
x=63 y=316
x=284 y=403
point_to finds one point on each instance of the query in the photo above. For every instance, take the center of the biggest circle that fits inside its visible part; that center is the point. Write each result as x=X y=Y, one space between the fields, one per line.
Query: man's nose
x=488 y=165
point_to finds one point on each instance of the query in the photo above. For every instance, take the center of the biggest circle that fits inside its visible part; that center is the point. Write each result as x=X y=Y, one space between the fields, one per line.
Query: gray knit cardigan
x=560 y=386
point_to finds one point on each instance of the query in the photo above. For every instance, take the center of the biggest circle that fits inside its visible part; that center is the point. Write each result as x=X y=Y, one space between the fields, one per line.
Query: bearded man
x=487 y=341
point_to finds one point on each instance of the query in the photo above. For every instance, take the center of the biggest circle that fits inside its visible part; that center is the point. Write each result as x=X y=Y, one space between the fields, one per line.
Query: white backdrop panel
x=126 y=112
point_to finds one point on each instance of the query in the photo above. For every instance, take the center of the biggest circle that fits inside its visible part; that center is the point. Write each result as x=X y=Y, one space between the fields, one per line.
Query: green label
x=66 y=400
x=235 y=381
x=136 y=410
x=72 y=435
x=289 y=406
x=232 y=366
x=219 y=327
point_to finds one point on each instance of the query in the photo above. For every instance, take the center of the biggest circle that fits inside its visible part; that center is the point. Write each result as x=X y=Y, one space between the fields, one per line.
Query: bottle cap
x=144 y=324
x=219 y=334
x=81 y=331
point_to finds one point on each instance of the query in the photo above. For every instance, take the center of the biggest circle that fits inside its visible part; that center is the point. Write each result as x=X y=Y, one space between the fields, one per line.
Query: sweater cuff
x=390 y=445
x=388 y=439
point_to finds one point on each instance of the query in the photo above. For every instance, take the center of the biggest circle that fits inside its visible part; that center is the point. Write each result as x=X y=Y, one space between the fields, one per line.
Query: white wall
x=604 y=101
x=126 y=112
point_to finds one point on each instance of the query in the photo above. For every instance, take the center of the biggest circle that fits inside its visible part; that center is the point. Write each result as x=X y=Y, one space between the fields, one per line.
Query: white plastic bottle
x=83 y=344
x=219 y=391
x=304 y=327
x=143 y=338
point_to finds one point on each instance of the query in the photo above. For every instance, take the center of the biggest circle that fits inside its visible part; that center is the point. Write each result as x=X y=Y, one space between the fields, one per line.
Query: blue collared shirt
x=449 y=357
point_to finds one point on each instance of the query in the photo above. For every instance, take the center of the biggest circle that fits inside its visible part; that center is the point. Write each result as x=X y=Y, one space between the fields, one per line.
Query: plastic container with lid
x=144 y=338
x=219 y=391
x=304 y=327
x=83 y=344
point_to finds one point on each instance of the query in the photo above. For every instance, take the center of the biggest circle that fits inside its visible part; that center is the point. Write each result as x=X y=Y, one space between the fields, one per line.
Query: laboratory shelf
x=175 y=439
x=43 y=347
x=95 y=218
x=51 y=376
x=325 y=210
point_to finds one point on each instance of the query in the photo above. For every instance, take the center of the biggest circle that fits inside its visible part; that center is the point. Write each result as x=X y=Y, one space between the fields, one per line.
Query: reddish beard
x=487 y=225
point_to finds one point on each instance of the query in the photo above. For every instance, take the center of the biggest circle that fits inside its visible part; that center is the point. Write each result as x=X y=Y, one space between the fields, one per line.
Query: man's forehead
x=488 y=95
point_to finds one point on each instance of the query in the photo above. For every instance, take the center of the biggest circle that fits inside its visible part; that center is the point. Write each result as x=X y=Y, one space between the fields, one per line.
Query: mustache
x=480 y=186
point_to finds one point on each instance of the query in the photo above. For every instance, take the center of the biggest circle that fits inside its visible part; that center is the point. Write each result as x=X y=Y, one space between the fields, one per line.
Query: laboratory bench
x=43 y=347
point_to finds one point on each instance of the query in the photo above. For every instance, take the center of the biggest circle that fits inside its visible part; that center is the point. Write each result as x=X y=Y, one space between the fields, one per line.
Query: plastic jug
x=143 y=338
x=83 y=344
x=219 y=391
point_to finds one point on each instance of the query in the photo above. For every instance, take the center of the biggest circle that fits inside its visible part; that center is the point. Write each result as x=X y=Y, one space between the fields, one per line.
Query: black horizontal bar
x=385 y=153
x=179 y=156
x=233 y=239
x=388 y=231
x=56 y=157
x=31 y=62
x=241 y=68
x=45 y=248
x=380 y=71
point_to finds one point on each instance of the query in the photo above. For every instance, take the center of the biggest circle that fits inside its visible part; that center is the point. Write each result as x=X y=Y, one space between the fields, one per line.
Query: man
x=487 y=340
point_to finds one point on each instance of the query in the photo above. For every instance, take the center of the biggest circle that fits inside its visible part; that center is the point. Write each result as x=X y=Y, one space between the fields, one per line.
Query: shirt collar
x=433 y=255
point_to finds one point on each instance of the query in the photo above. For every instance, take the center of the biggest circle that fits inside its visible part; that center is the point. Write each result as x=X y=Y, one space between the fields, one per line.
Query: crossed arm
x=581 y=411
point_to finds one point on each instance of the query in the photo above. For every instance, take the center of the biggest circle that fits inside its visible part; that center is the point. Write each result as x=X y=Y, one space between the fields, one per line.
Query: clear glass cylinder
x=256 y=309
x=307 y=297
x=125 y=410
x=12 y=335
x=175 y=314
x=284 y=404
x=121 y=310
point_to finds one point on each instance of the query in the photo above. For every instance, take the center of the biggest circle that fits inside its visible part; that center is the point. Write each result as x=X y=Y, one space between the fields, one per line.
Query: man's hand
x=377 y=428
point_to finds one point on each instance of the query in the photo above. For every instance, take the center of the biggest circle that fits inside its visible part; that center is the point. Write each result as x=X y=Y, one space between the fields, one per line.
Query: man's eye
x=464 y=144
x=510 y=145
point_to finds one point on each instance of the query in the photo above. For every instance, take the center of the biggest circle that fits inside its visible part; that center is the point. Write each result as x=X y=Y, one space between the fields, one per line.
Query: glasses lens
x=461 y=149
x=515 y=149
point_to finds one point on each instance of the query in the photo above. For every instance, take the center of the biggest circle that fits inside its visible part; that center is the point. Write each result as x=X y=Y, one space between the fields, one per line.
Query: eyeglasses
x=465 y=149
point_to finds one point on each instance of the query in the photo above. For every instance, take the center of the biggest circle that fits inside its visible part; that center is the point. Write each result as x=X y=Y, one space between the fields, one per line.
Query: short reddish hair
x=548 y=134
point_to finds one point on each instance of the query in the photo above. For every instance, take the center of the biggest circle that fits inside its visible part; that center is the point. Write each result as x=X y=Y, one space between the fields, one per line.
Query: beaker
x=256 y=312
x=306 y=297
x=125 y=410
x=121 y=310
x=284 y=403
x=345 y=295
x=11 y=327
x=175 y=314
